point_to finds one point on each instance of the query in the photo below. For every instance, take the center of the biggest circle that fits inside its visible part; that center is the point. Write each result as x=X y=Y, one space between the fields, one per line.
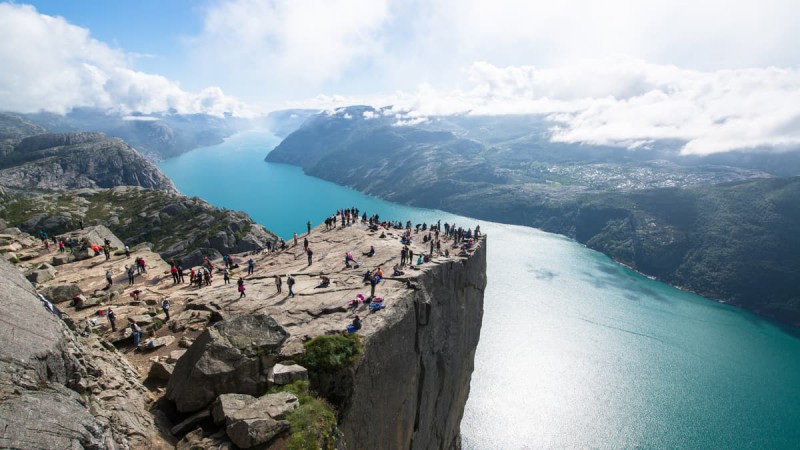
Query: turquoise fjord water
x=575 y=351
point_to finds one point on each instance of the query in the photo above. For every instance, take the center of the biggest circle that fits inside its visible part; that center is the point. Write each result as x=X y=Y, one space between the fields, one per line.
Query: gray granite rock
x=62 y=292
x=227 y=404
x=233 y=356
x=281 y=374
x=251 y=432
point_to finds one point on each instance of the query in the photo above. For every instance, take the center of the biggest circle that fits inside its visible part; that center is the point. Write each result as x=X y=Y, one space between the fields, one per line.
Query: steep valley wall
x=410 y=388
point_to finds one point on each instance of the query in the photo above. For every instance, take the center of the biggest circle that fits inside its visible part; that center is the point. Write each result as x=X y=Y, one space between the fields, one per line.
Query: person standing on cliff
x=309 y=253
x=226 y=276
x=305 y=244
x=410 y=257
x=174 y=272
x=250 y=266
x=308 y=225
x=240 y=287
x=112 y=319
x=295 y=239
x=165 y=307
x=290 y=283
x=278 y=283
x=137 y=333
x=373 y=281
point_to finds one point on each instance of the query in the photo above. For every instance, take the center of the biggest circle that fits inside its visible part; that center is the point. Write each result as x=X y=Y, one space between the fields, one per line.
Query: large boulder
x=282 y=374
x=59 y=260
x=251 y=432
x=40 y=275
x=96 y=234
x=276 y=406
x=233 y=356
x=227 y=404
x=59 y=293
x=229 y=408
x=160 y=370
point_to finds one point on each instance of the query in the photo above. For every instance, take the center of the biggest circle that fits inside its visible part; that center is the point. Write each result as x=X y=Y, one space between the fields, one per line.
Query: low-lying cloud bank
x=52 y=65
x=627 y=103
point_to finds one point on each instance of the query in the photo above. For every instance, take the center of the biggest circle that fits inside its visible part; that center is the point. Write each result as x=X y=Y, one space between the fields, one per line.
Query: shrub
x=313 y=423
x=331 y=353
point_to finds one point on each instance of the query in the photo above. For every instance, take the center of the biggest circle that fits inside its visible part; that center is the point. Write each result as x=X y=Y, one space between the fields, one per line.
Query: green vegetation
x=313 y=423
x=332 y=353
x=165 y=219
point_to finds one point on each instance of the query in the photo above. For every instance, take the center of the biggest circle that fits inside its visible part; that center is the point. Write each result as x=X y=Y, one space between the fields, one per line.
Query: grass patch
x=313 y=423
x=332 y=353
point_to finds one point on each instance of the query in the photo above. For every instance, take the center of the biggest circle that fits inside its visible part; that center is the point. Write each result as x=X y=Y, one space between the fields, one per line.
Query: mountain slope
x=52 y=162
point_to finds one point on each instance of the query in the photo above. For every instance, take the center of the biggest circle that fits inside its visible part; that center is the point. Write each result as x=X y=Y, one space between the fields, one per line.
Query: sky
x=717 y=75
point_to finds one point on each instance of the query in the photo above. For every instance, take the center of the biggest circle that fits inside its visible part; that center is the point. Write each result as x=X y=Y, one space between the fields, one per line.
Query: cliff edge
x=238 y=356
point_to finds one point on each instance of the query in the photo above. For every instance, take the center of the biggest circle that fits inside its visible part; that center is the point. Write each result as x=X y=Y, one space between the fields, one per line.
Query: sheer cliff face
x=410 y=388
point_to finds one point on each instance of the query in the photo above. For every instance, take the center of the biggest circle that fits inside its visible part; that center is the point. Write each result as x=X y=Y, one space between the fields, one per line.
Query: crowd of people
x=436 y=240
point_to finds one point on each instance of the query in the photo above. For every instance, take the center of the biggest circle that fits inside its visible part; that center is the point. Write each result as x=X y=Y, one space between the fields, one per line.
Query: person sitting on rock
x=356 y=323
x=396 y=272
x=324 y=281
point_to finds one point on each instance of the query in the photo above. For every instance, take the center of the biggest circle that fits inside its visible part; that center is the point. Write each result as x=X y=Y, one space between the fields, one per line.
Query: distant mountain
x=157 y=136
x=282 y=123
x=729 y=232
x=58 y=161
x=362 y=147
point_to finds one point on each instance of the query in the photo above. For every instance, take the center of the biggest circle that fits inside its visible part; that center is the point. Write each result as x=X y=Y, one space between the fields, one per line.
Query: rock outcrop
x=416 y=368
x=59 y=390
x=55 y=162
x=232 y=356
x=176 y=226
x=245 y=377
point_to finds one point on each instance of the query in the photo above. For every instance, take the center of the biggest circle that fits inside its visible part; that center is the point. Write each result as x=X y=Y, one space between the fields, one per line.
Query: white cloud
x=621 y=103
x=52 y=65
x=276 y=48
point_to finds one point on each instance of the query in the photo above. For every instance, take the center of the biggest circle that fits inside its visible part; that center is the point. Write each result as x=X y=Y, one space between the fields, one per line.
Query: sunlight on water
x=575 y=351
